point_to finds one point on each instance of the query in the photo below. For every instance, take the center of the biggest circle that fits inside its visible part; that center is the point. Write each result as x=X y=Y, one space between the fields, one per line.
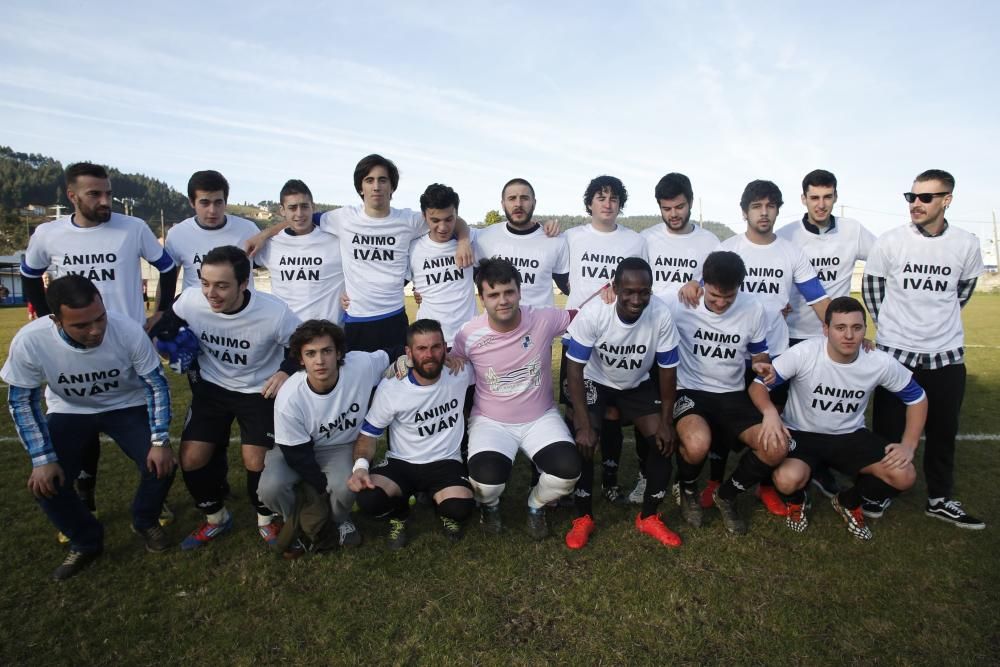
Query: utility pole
x=841 y=210
x=163 y=234
x=996 y=244
x=701 y=221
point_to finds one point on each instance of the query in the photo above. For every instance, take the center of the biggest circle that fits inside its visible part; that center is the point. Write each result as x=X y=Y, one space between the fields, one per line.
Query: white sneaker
x=639 y=491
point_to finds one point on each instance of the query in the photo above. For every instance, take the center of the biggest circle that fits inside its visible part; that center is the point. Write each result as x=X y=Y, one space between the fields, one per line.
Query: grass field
x=923 y=592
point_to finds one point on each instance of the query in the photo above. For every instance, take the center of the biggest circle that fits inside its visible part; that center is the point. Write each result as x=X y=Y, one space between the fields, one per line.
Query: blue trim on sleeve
x=578 y=352
x=371 y=431
x=757 y=348
x=911 y=393
x=30 y=272
x=811 y=290
x=668 y=359
x=317 y=217
x=778 y=381
x=164 y=263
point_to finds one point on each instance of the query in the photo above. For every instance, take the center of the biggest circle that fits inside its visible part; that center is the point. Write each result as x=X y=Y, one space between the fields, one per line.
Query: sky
x=472 y=93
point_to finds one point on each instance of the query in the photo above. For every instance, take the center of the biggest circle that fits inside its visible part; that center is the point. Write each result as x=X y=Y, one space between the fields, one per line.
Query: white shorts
x=488 y=435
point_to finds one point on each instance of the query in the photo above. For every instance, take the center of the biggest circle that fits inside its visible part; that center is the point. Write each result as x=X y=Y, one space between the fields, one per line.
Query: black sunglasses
x=925 y=197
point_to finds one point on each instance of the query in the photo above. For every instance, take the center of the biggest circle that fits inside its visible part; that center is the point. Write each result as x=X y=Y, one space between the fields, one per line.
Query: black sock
x=583 y=496
x=611 y=451
x=204 y=487
x=377 y=502
x=658 y=469
x=717 y=464
x=749 y=471
x=253 y=481
x=688 y=473
x=458 y=509
x=795 y=497
x=867 y=487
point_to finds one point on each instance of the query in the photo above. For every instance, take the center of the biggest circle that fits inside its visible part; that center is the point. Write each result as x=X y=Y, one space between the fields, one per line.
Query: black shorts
x=427 y=477
x=387 y=334
x=564 y=398
x=213 y=409
x=728 y=413
x=632 y=403
x=847 y=452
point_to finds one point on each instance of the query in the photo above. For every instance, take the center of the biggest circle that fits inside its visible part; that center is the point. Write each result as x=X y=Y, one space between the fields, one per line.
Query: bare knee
x=791 y=476
x=195 y=455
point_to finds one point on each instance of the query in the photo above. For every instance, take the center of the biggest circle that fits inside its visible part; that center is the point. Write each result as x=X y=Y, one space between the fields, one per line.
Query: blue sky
x=474 y=93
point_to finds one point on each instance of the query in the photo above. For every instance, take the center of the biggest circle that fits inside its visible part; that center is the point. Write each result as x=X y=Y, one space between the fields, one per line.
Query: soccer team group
x=750 y=346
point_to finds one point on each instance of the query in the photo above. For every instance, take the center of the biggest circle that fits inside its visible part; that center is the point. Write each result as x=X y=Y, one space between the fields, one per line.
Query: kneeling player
x=101 y=375
x=712 y=401
x=831 y=380
x=242 y=337
x=510 y=348
x=628 y=336
x=423 y=413
x=317 y=418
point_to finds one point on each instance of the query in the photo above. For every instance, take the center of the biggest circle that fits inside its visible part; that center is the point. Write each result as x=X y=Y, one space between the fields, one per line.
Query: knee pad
x=490 y=467
x=458 y=509
x=550 y=488
x=487 y=494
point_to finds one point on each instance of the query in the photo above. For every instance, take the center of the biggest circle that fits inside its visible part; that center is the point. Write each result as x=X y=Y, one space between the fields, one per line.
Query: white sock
x=218 y=518
x=263 y=520
x=935 y=501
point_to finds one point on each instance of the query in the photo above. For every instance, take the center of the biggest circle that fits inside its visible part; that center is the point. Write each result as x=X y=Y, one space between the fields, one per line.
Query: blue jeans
x=129 y=427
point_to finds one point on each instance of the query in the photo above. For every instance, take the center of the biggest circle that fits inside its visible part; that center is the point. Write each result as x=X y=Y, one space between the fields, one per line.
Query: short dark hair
x=820 y=178
x=602 y=183
x=424 y=326
x=229 y=254
x=516 y=181
x=843 y=304
x=369 y=162
x=674 y=185
x=438 y=196
x=310 y=330
x=937 y=175
x=72 y=291
x=78 y=169
x=757 y=190
x=207 y=181
x=632 y=264
x=724 y=269
x=496 y=272
x=294 y=187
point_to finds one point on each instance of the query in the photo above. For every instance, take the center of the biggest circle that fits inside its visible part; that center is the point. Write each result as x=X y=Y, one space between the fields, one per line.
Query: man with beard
x=104 y=247
x=539 y=258
x=917 y=279
x=423 y=413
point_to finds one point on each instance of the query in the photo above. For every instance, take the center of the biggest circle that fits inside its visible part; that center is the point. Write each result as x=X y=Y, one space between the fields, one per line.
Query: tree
x=492 y=218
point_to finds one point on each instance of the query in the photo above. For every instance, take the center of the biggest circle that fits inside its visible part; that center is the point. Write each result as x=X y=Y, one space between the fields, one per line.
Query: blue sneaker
x=205 y=533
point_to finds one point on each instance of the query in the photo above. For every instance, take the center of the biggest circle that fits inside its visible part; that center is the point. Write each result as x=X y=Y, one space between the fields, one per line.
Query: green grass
x=922 y=592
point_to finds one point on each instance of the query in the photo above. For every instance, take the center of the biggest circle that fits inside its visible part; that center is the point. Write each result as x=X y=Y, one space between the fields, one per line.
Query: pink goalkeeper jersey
x=513 y=369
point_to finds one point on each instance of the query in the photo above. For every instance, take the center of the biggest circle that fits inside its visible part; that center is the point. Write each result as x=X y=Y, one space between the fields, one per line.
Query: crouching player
x=424 y=415
x=613 y=348
x=712 y=401
x=101 y=374
x=831 y=380
x=242 y=337
x=317 y=418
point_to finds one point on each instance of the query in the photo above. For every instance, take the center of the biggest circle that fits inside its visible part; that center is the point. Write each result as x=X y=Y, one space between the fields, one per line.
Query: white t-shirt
x=239 y=352
x=594 y=256
x=535 y=256
x=107 y=254
x=617 y=354
x=374 y=253
x=921 y=312
x=713 y=347
x=82 y=380
x=303 y=415
x=775 y=270
x=677 y=259
x=187 y=242
x=833 y=255
x=425 y=422
x=306 y=273
x=829 y=397
x=448 y=294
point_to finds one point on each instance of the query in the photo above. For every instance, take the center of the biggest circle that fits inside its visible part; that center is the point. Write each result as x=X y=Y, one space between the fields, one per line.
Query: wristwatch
x=161 y=442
